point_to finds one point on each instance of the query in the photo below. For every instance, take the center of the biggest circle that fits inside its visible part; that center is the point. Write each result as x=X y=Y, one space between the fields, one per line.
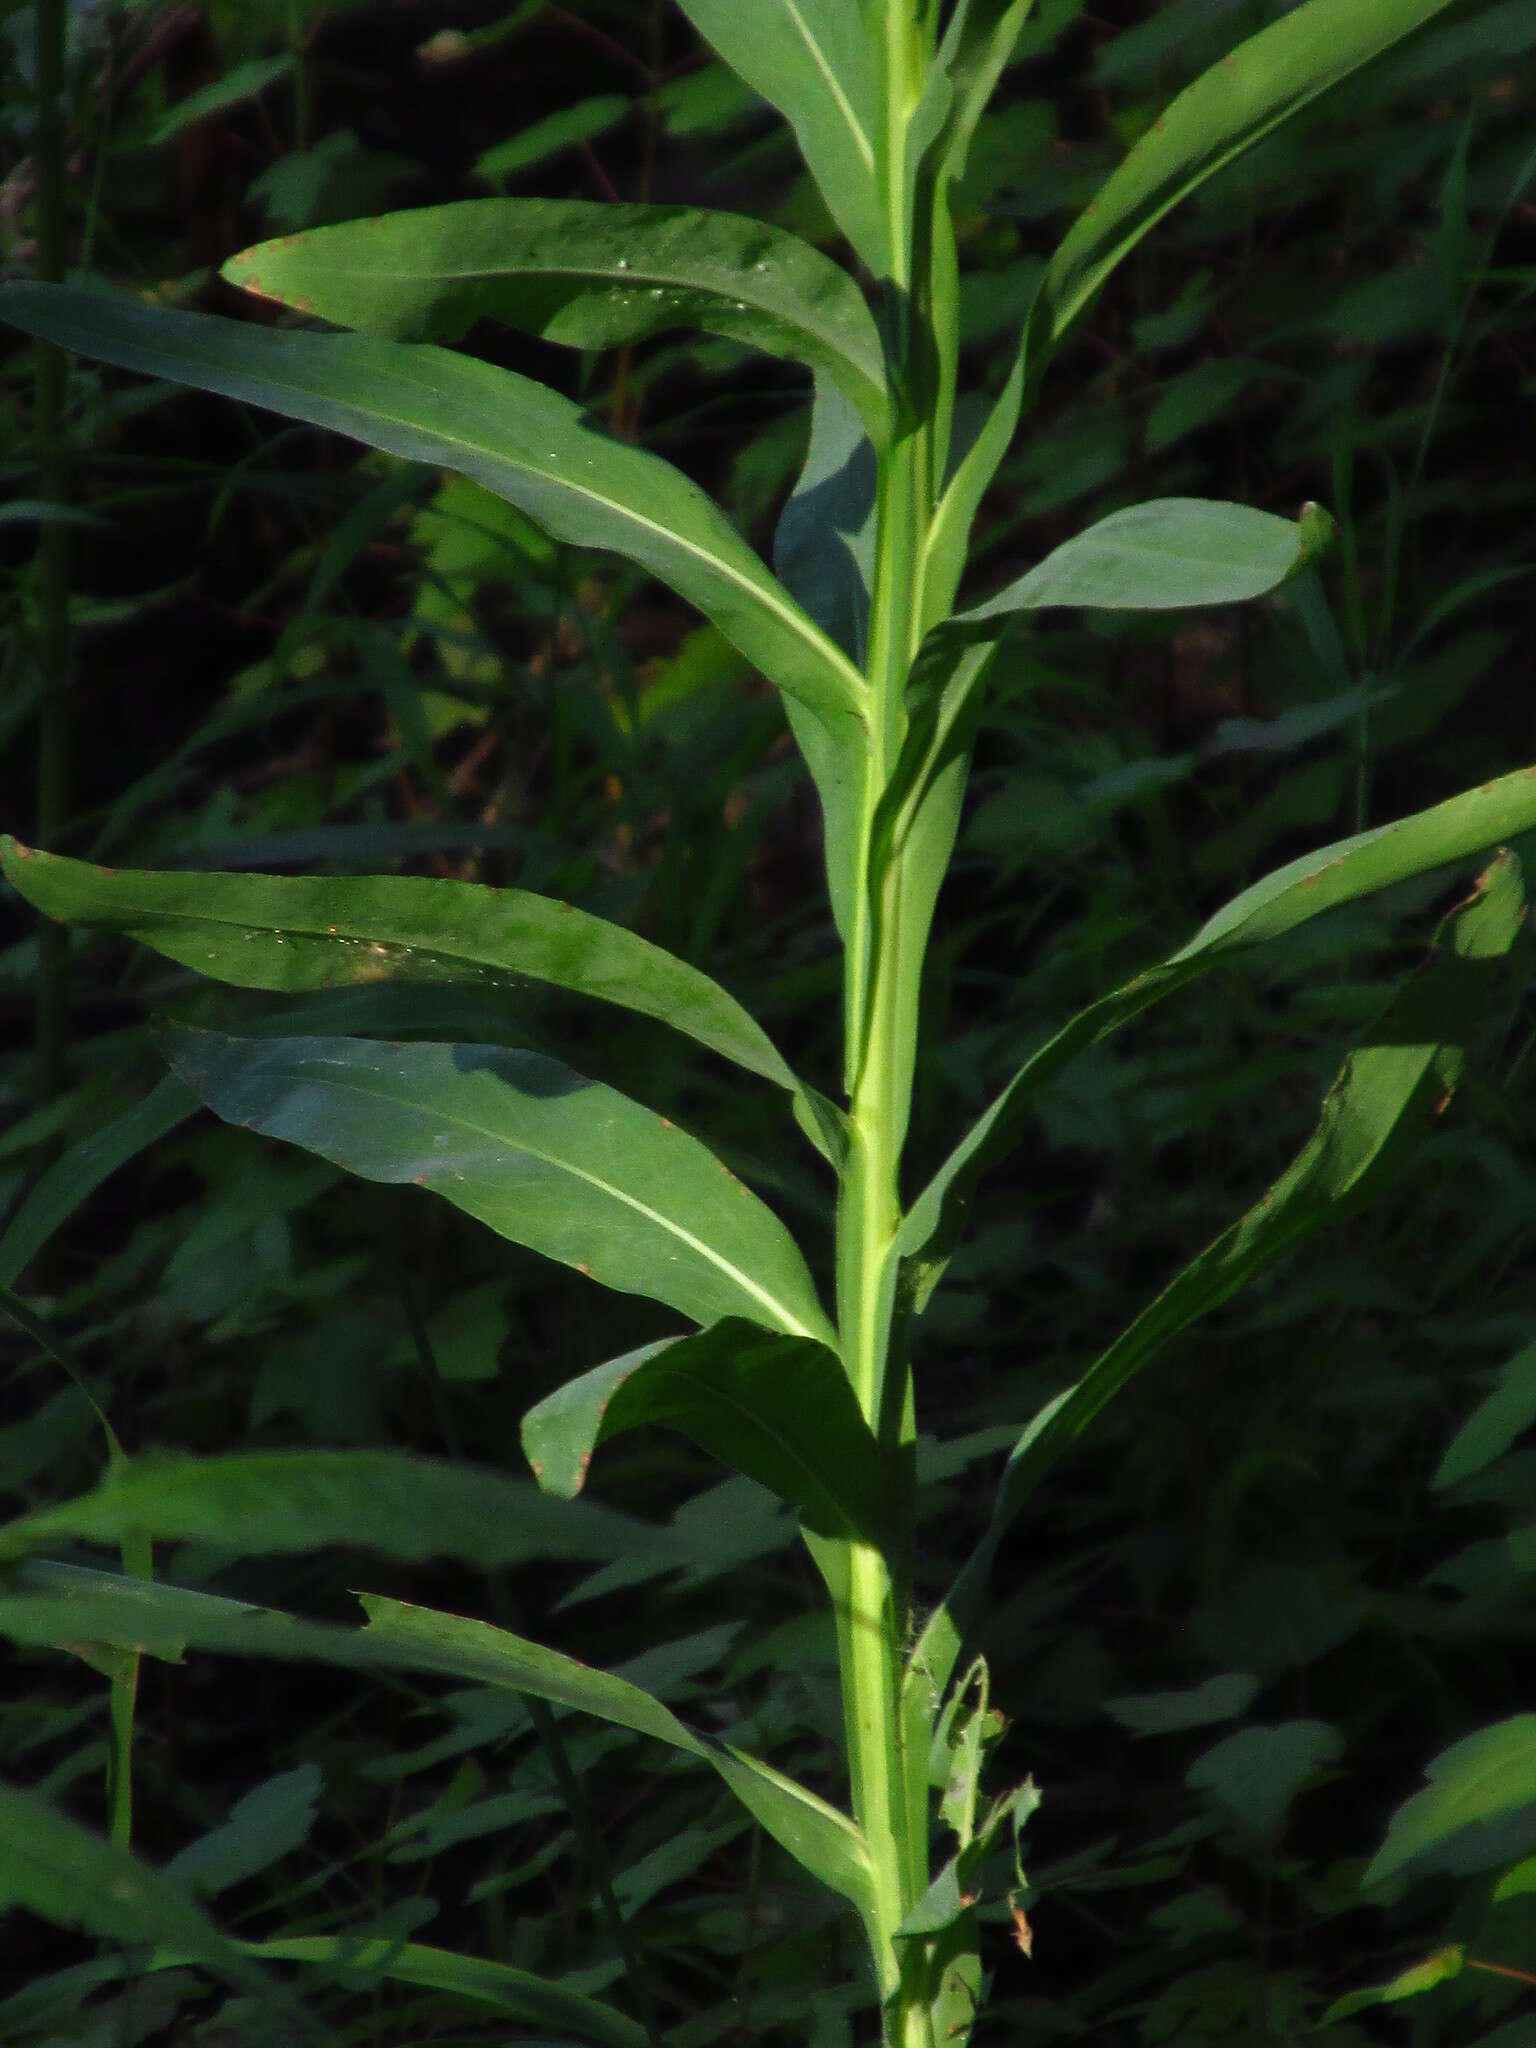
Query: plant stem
x=869 y=1211
x=50 y=391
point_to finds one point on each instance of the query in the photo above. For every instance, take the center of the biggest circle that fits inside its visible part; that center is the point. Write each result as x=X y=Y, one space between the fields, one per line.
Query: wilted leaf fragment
x=1439 y=1968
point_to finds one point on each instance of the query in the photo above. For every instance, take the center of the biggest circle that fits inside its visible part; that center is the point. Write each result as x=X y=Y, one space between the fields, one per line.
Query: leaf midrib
x=788 y=1321
x=861 y=141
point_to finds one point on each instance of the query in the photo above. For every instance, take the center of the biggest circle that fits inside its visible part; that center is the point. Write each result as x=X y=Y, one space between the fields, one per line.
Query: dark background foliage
x=290 y=656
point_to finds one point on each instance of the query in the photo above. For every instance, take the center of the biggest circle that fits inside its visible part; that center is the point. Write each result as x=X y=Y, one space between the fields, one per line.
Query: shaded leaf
x=1483 y=1778
x=262 y=1827
x=76 y=1174
x=1257 y=1773
x=256 y=1502
x=54 y=1603
x=1221 y=1698
x=1303 y=889
x=779 y=1409
x=1494 y=1424
x=52 y=1867
x=547 y=1158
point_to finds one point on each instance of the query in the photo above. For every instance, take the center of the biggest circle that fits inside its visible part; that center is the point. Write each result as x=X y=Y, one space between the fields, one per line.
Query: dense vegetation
x=1284 y=1576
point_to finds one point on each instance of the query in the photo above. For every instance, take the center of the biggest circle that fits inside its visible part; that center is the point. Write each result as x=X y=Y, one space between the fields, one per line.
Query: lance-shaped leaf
x=824 y=552
x=584 y=273
x=1483 y=1780
x=810 y=59
x=1439 y=1967
x=52 y=1603
x=779 y=1409
x=825 y=1841
x=77 y=1173
x=1454 y=831
x=1385 y=1096
x=293 y=933
x=1166 y=555
x=1250 y=91
x=55 y=1868
x=367 y=1959
x=527 y=444
x=1229 y=108
x=253 y=1503
x=546 y=1157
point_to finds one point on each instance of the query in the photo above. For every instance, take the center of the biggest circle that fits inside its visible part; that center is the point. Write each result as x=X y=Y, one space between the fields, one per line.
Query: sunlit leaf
x=581 y=272
x=810 y=59
x=519 y=439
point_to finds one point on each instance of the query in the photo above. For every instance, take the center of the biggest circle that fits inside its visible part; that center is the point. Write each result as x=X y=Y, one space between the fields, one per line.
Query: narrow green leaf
x=1249 y=92
x=1451 y=832
x=1221 y=1698
x=255 y=1503
x=1257 y=1774
x=525 y=443
x=1478 y=1780
x=53 y=1867
x=824 y=553
x=544 y=138
x=1494 y=1424
x=76 y=1174
x=293 y=933
x=1437 y=1968
x=546 y=1157
x=778 y=1409
x=1388 y=1090
x=825 y=1841
x=168 y=1620
x=240 y=83
x=1166 y=555
x=476 y=1978
x=264 y=1826
x=588 y=274
x=809 y=58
